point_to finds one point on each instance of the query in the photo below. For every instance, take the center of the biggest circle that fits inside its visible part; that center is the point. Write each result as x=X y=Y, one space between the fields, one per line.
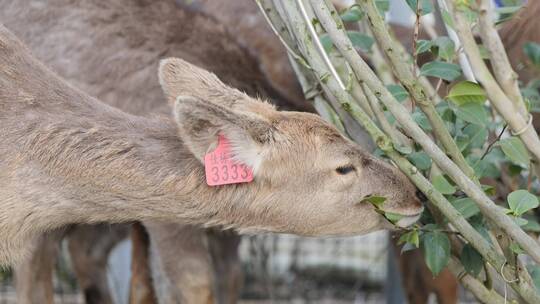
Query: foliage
x=449 y=142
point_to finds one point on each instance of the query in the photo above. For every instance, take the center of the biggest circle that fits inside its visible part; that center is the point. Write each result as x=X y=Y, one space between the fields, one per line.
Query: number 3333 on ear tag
x=221 y=169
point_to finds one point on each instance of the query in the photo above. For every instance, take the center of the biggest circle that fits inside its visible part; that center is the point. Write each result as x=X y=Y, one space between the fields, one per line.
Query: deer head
x=309 y=178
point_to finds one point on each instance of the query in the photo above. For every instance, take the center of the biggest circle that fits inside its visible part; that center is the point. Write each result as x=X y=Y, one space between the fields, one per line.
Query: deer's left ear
x=178 y=77
x=200 y=122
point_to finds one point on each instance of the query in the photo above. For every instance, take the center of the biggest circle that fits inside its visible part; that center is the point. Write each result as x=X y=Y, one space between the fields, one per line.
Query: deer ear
x=178 y=77
x=200 y=122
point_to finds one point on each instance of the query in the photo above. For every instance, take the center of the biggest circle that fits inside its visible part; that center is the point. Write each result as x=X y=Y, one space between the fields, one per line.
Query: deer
x=145 y=95
x=99 y=164
x=89 y=247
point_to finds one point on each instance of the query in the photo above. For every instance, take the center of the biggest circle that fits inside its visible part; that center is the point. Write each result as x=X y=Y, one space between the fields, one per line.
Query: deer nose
x=420 y=195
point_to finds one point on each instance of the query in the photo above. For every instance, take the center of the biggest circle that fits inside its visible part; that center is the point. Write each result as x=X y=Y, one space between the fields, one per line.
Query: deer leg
x=34 y=275
x=446 y=287
x=419 y=283
x=141 y=289
x=223 y=246
x=415 y=285
x=181 y=264
x=89 y=248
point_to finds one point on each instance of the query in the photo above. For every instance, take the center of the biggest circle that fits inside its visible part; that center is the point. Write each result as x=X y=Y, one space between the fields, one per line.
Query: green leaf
x=393 y=217
x=436 y=248
x=377 y=201
x=423 y=46
x=508 y=9
x=521 y=201
x=361 y=41
x=514 y=149
x=484 y=53
x=532 y=225
x=474 y=113
x=421 y=119
x=426 y=6
x=399 y=93
x=420 y=160
x=518 y=220
x=516 y=248
x=439 y=69
x=466 y=207
x=326 y=42
x=471 y=260
x=352 y=14
x=358 y=40
x=410 y=237
x=534 y=270
x=476 y=136
x=532 y=50
x=465 y=92
x=383 y=6
x=489 y=190
x=447 y=18
x=405 y=248
x=479 y=225
x=403 y=149
x=442 y=185
x=483 y=167
x=446 y=47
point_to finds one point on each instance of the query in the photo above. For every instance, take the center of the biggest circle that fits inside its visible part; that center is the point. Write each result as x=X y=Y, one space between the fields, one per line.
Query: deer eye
x=342 y=170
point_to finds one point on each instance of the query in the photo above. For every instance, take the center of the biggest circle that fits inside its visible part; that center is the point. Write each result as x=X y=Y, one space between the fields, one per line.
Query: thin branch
x=490 y=146
x=269 y=14
x=488 y=296
x=383 y=70
x=415 y=38
x=504 y=73
x=396 y=136
x=318 y=44
x=463 y=61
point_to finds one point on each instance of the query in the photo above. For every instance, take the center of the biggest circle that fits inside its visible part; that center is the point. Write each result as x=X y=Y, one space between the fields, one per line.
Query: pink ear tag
x=221 y=169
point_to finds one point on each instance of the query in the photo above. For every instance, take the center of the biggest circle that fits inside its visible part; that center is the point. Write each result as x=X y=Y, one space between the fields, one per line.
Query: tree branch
x=504 y=73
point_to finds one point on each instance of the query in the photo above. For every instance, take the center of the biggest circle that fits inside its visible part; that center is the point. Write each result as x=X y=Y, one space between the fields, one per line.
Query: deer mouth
x=408 y=220
x=402 y=220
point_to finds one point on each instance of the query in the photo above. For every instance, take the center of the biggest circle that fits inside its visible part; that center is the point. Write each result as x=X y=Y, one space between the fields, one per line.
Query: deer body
x=72 y=159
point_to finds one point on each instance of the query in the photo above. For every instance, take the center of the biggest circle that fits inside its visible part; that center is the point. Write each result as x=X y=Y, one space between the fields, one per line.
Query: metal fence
x=281 y=268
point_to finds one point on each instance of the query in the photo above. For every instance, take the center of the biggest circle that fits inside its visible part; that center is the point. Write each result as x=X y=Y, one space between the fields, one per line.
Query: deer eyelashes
x=343 y=170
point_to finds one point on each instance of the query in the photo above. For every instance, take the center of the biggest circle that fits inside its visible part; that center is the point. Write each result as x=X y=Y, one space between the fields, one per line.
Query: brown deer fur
x=89 y=248
x=141 y=285
x=243 y=18
x=33 y=275
x=522 y=28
